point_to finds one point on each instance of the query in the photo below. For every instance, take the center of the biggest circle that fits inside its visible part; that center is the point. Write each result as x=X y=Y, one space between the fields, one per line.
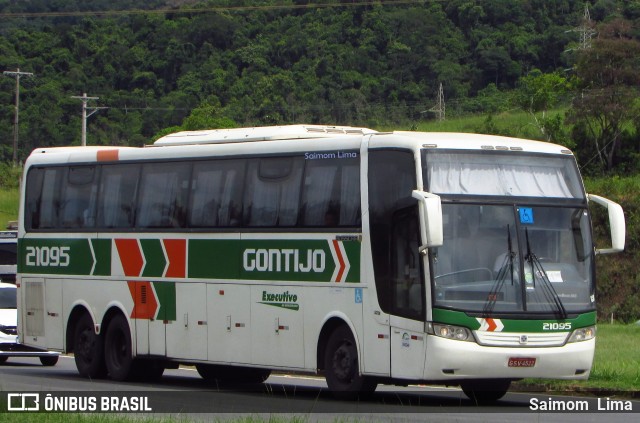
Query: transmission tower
x=16 y=119
x=586 y=29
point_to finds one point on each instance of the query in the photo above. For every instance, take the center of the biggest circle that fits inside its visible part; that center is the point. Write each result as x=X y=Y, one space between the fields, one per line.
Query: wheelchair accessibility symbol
x=526 y=215
x=358 y=294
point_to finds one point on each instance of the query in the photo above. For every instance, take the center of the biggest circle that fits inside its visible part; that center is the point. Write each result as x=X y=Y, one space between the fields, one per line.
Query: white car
x=8 y=255
x=9 y=345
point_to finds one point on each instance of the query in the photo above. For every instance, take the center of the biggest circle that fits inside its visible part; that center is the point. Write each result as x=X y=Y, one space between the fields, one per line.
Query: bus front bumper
x=453 y=360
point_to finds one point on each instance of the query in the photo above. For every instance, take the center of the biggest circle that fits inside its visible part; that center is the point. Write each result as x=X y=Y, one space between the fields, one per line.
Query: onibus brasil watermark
x=77 y=403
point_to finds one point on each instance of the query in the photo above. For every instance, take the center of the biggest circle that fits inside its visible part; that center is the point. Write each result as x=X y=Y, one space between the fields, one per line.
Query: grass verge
x=9 y=200
x=616 y=365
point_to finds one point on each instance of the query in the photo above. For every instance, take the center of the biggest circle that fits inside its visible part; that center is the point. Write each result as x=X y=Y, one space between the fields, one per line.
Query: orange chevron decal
x=177 y=256
x=342 y=266
x=130 y=256
x=145 y=305
x=490 y=324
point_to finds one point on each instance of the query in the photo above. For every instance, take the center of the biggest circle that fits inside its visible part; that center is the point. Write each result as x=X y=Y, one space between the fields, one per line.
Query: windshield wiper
x=506 y=268
x=548 y=290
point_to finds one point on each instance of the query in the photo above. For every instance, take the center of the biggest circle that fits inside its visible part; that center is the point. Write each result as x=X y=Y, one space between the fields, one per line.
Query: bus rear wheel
x=88 y=349
x=341 y=367
x=485 y=392
x=117 y=351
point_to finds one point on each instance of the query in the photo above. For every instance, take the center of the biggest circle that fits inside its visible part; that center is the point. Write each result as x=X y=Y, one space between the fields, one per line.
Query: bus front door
x=408 y=296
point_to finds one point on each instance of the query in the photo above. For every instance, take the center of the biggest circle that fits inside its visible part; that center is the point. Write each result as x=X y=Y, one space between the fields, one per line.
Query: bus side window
x=33 y=198
x=164 y=189
x=79 y=195
x=118 y=190
x=272 y=194
x=216 y=194
x=331 y=193
x=50 y=198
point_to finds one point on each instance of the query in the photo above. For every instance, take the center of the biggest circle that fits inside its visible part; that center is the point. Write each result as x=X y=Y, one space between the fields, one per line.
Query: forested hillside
x=272 y=62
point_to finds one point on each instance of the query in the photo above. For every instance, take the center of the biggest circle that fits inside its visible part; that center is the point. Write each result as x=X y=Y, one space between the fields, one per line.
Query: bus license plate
x=522 y=361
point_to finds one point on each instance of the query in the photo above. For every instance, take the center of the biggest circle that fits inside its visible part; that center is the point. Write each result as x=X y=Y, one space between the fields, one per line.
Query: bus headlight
x=583 y=334
x=458 y=333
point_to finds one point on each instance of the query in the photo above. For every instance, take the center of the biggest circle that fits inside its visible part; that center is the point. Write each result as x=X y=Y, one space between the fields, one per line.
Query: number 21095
x=48 y=256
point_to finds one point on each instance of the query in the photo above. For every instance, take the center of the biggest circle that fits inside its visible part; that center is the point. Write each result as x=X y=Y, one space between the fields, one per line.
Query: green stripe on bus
x=276 y=260
x=166 y=292
x=511 y=325
x=154 y=256
x=317 y=260
x=55 y=256
x=102 y=251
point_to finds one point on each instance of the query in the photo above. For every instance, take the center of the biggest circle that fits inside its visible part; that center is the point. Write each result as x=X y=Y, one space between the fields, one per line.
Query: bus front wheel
x=485 y=392
x=341 y=367
x=117 y=351
x=88 y=349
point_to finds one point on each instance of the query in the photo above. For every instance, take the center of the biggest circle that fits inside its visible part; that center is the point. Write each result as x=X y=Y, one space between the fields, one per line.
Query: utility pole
x=16 y=119
x=85 y=100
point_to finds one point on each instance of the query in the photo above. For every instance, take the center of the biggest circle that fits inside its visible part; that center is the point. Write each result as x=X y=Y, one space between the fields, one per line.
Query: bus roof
x=265 y=133
x=288 y=138
x=470 y=141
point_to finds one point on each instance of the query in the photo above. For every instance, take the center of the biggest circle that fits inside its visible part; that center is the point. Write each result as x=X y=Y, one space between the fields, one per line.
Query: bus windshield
x=510 y=259
x=508 y=248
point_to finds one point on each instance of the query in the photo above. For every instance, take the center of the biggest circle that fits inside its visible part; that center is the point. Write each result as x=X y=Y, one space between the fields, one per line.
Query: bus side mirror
x=616 y=224
x=430 y=219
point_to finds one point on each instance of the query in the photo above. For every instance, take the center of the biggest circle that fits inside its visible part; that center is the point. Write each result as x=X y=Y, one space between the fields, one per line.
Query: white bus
x=368 y=257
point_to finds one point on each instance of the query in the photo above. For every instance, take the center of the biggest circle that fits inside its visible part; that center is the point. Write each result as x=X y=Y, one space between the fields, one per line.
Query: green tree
x=538 y=92
x=607 y=104
x=205 y=116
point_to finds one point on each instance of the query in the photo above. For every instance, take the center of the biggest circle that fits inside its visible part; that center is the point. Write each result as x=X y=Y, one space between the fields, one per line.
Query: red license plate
x=522 y=362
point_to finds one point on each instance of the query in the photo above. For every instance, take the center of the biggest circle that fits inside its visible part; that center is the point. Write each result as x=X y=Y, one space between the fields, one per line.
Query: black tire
x=49 y=360
x=117 y=349
x=341 y=367
x=232 y=375
x=88 y=349
x=486 y=392
x=3 y=359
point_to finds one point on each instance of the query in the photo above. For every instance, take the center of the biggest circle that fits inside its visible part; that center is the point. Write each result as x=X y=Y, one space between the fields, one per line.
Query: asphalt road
x=181 y=392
